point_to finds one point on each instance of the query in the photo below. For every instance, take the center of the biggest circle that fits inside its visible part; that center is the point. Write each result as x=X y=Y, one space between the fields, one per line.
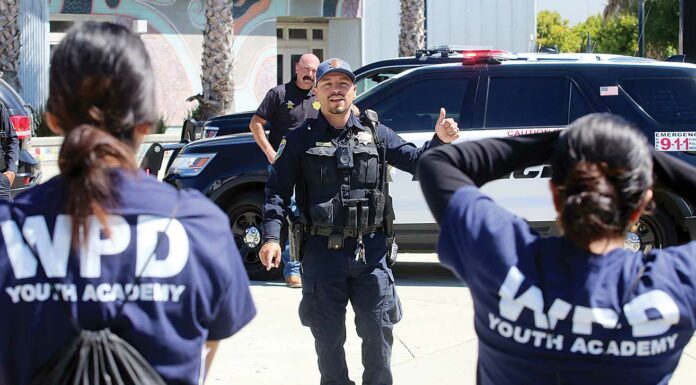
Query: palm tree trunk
x=617 y=7
x=9 y=42
x=412 y=35
x=218 y=60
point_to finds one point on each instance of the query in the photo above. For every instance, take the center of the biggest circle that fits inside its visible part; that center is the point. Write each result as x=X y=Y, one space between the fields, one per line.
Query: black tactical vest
x=343 y=182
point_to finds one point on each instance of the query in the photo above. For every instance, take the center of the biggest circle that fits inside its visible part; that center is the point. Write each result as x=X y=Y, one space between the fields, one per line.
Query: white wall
x=499 y=24
x=344 y=41
x=380 y=39
x=34 y=53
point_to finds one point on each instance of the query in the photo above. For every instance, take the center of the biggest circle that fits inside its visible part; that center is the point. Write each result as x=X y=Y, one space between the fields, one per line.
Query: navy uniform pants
x=332 y=278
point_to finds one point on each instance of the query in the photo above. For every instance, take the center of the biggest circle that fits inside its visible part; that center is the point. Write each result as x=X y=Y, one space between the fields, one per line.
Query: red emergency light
x=22 y=126
x=475 y=56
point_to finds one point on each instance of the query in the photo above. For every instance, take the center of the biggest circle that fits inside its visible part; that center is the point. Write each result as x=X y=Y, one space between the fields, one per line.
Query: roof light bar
x=479 y=56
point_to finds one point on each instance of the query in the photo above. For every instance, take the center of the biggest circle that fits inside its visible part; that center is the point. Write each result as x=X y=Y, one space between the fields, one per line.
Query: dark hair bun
x=602 y=167
x=590 y=206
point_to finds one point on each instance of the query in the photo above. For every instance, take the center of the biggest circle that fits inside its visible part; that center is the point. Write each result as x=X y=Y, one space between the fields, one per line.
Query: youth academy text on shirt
x=647 y=331
x=53 y=253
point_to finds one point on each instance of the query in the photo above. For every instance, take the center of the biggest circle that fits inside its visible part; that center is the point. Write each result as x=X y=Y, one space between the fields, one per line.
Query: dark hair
x=101 y=88
x=602 y=167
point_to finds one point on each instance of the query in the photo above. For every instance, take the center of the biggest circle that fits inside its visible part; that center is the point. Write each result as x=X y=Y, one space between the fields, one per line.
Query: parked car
x=490 y=94
x=29 y=168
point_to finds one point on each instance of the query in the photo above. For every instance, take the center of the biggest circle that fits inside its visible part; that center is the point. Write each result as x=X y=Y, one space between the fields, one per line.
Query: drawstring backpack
x=100 y=357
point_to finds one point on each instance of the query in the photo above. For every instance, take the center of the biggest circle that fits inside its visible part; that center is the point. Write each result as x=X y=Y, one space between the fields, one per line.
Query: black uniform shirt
x=285 y=107
x=10 y=144
x=288 y=170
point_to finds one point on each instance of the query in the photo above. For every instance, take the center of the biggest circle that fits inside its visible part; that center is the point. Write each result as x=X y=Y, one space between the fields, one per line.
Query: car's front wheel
x=245 y=217
x=653 y=231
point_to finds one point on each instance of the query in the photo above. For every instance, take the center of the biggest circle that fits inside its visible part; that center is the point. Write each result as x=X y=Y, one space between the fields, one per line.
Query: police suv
x=491 y=94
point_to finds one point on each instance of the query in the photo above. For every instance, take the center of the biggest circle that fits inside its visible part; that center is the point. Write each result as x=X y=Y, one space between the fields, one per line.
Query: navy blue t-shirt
x=285 y=107
x=194 y=289
x=548 y=312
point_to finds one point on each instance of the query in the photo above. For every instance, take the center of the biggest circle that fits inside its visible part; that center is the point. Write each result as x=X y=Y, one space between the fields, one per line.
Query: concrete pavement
x=435 y=343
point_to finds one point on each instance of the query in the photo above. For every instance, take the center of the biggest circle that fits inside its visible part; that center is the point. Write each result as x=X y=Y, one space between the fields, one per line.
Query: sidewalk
x=435 y=343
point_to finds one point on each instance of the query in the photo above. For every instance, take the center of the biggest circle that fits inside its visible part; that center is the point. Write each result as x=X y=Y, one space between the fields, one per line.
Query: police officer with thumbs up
x=337 y=166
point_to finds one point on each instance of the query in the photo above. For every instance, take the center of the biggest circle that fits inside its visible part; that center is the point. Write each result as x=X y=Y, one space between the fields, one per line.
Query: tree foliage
x=619 y=35
x=592 y=26
x=617 y=31
x=661 y=28
x=553 y=31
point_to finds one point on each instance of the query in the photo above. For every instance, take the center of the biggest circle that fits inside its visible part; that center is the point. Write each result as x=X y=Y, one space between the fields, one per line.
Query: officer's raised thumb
x=442 y=115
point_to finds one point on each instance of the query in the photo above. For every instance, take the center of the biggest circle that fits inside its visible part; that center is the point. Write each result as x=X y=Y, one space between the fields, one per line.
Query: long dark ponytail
x=101 y=89
x=602 y=168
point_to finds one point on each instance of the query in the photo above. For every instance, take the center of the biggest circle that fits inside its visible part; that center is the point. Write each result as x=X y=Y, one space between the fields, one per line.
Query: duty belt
x=347 y=233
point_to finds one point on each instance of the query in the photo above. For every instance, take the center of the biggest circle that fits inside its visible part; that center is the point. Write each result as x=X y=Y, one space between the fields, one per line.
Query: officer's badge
x=290 y=104
x=334 y=63
x=364 y=137
x=316 y=105
x=280 y=150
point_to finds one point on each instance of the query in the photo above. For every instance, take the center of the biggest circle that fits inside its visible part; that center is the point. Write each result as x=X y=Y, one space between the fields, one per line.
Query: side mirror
x=188 y=130
x=152 y=161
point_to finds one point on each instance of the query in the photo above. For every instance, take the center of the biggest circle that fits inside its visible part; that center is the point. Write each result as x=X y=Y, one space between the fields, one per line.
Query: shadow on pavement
x=406 y=274
x=424 y=274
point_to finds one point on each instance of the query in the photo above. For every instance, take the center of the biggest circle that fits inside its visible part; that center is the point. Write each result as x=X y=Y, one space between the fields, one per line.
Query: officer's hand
x=270 y=155
x=447 y=129
x=270 y=254
x=10 y=176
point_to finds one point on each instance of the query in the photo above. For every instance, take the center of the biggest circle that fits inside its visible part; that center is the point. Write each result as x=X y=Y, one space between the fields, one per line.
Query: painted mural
x=174 y=41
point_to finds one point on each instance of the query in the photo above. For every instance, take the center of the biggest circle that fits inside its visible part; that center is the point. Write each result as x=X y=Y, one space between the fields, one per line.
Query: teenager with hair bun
x=576 y=308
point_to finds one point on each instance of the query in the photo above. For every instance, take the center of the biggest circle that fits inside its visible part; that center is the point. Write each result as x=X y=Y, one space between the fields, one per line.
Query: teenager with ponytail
x=576 y=308
x=104 y=246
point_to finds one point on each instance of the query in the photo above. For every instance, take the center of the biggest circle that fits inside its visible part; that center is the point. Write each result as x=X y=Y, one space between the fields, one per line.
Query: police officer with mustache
x=285 y=107
x=334 y=164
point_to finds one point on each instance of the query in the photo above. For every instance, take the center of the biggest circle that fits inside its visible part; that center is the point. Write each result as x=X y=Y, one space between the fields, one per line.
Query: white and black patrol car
x=490 y=93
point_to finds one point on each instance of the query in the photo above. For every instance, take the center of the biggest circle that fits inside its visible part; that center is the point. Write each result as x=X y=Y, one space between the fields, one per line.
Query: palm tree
x=617 y=7
x=218 y=60
x=412 y=35
x=9 y=41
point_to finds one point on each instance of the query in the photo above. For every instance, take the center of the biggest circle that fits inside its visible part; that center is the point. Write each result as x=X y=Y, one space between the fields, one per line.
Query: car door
x=514 y=104
x=411 y=109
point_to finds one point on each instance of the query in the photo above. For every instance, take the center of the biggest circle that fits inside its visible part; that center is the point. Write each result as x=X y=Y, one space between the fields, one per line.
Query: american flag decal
x=609 y=91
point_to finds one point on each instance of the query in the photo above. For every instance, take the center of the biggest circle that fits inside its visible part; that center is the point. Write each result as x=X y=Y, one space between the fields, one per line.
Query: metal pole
x=641 y=28
x=681 y=27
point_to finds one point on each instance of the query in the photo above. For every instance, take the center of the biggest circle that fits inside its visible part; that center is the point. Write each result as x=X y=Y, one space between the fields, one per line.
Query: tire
x=653 y=231
x=244 y=213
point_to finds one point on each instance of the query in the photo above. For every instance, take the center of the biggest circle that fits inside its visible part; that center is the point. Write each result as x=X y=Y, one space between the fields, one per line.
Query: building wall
x=174 y=40
x=380 y=38
x=33 y=73
x=174 y=37
x=501 y=24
